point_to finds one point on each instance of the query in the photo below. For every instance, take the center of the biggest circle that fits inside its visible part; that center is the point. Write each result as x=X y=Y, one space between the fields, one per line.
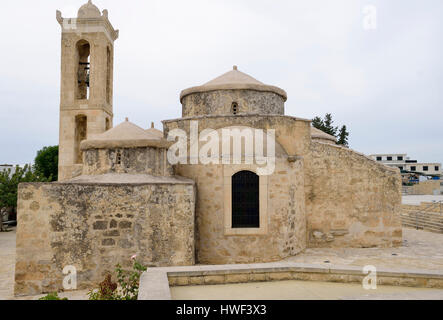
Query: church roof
x=234 y=80
x=88 y=11
x=318 y=134
x=152 y=130
x=125 y=135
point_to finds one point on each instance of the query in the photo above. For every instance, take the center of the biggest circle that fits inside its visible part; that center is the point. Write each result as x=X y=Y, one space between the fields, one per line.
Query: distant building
x=4 y=167
x=406 y=165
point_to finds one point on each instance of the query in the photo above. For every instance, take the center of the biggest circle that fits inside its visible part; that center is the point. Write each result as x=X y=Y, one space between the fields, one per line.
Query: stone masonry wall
x=94 y=227
x=220 y=102
x=147 y=160
x=430 y=187
x=351 y=201
x=286 y=221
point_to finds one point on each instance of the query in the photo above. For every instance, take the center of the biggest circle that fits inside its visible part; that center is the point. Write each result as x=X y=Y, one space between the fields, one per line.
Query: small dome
x=155 y=132
x=233 y=80
x=317 y=134
x=125 y=135
x=88 y=11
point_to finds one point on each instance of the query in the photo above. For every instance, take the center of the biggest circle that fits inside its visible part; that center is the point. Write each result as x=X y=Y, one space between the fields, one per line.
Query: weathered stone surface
x=64 y=231
x=220 y=102
x=351 y=201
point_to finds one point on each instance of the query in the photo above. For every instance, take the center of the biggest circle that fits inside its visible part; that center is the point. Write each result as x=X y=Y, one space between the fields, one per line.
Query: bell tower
x=87 y=63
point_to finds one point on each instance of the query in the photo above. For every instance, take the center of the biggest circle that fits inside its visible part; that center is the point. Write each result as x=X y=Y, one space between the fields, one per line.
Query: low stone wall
x=95 y=226
x=430 y=187
x=351 y=200
x=156 y=282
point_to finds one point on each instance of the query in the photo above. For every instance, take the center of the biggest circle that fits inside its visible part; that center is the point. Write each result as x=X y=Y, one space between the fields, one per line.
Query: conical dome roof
x=125 y=135
x=234 y=80
x=319 y=134
x=88 y=11
x=155 y=132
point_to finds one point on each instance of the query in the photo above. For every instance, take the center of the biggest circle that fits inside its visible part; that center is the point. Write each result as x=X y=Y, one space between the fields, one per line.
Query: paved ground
x=417 y=199
x=422 y=250
x=301 y=290
x=7 y=264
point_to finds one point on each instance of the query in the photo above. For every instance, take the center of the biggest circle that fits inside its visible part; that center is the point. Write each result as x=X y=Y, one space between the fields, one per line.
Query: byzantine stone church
x=118 y=194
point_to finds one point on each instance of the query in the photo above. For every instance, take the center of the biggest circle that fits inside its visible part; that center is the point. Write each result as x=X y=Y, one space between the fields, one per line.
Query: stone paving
x=421 y=250
x=7 y=264
x=417 y=199
x=301 y=290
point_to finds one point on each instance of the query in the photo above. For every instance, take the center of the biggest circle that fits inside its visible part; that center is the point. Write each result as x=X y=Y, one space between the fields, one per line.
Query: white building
x=404 y=163
x=4 y=167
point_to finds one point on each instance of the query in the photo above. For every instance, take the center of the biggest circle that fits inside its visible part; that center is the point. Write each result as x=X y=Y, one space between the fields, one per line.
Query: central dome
x=234 y=80
x=88 y=11
x=232 y=93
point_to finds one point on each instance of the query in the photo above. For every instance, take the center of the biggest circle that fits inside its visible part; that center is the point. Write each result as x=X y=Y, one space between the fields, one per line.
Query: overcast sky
x=384 y=84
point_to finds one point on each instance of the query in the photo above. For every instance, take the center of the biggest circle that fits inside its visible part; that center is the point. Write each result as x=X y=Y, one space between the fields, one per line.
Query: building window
x=437 y=168
x=83 y=70
x=425 y=168
x=401 y=168
x=378 y=158
x=81 y=128
x=245 y=200
x=389 y=158
x=118 y=159
x=234 y=108
x=400 y=158
x=413 y=168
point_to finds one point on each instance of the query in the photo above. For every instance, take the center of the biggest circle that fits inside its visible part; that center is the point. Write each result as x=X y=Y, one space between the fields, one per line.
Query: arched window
x=245 y=200
x=81 y=127
x=234 y=108
x=83 y=70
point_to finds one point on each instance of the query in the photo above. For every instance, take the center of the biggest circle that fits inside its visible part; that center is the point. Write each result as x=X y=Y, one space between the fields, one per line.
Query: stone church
x=119 y=194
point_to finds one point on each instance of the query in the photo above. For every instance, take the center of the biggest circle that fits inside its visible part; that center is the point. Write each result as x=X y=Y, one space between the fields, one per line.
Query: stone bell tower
x=87 y=60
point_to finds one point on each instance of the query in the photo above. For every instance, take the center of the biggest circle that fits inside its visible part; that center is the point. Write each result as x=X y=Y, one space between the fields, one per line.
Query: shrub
x=52 y=296
x=127 y=287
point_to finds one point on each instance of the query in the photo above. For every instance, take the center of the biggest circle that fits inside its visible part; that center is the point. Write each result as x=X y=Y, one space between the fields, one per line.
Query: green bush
x=52 y=296
x=127 y=285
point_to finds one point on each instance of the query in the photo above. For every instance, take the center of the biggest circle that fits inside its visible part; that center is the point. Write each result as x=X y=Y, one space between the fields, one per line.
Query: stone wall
x=430 y=187
x=286 y=222
x=285 y=232
x=220 y=102
x=147 y=160
x=93 y=227
x=351 y=200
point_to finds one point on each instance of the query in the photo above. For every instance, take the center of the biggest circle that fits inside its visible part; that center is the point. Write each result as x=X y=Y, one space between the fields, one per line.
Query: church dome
x=125 y=135
x=88 y=11
x=155 y=132
x=234 y=80
x=232 y=93
x=321 y=136
x=126 y=149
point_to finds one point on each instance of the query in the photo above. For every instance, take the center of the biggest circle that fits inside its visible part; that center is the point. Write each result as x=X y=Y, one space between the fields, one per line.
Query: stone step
x=421 y=220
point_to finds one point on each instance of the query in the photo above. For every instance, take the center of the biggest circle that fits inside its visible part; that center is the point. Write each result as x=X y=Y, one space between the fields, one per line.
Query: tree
x=317 y=122
x=327 y=125
x=46 y=163
x=9 y=184
x=343 y=136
